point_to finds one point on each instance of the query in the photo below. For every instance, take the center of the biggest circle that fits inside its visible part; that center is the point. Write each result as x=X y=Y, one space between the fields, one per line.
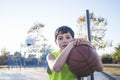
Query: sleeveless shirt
x=64 y=74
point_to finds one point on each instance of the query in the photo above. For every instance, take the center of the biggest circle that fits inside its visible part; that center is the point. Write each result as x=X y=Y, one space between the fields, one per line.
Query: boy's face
x=63 y=40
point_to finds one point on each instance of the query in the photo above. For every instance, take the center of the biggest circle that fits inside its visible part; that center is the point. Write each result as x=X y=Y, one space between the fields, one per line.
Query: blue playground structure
x=16 y=60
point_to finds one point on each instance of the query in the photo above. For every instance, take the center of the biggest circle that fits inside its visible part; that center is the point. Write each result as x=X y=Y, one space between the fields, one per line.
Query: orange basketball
x=82 y=61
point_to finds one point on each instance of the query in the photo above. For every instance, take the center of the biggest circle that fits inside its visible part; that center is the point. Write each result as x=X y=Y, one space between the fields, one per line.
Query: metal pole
x=88 y=25
x=89 y=33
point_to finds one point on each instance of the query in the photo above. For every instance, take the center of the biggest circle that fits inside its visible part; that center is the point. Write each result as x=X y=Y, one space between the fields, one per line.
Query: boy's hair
x=62 y=30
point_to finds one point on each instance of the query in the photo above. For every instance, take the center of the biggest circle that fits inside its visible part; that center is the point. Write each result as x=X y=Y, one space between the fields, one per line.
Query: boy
x=64 y=38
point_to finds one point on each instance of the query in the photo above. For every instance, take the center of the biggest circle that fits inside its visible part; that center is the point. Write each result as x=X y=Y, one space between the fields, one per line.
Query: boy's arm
x=58 y=63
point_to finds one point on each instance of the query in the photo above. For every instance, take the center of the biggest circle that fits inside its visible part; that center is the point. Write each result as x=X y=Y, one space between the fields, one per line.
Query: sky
x=17 y=16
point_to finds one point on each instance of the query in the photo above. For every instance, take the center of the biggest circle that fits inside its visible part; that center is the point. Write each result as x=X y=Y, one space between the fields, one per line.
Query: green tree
x=98 y=30
x=3 y=56
x=41 y=43
x=35 y=27
x=35 y=33
x=116 y=53
x=106 y=58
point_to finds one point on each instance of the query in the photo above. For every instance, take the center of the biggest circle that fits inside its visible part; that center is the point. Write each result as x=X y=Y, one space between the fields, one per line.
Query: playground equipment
x=15 y=60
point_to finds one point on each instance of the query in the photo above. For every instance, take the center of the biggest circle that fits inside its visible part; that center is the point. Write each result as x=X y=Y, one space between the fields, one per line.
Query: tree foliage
x=116 y=54
x=98 y=30
x=106 y=58
x=3 y=56
x=40 y=45
x=36 y=27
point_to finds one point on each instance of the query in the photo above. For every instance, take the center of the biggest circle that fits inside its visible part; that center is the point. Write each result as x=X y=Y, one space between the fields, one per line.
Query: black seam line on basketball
x=78 y=61
x=83 y=67
x=79 y=67
x=84 y=57
x=91 y=62
x=89 y=68
x=81 y=55
x=83 y=60
x=85 y=71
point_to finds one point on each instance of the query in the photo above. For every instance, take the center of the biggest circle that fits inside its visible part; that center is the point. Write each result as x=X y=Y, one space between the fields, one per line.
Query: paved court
x=35 y=74
x=23 y=74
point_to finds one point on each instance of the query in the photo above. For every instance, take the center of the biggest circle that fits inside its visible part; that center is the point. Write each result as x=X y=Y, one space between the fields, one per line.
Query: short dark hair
x=62 y=30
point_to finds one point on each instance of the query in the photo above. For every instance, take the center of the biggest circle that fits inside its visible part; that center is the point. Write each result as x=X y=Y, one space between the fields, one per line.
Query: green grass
x=112 y=68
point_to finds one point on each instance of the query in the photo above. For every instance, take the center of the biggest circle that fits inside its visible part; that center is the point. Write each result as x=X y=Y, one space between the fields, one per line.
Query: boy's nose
x=65 y=41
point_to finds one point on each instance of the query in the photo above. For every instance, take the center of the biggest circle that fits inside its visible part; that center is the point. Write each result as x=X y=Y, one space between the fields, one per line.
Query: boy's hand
x=80 y=41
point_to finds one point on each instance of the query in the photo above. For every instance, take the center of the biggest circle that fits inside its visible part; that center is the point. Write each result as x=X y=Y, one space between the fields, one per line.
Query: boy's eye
x=60 y=38
x=68 y=37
